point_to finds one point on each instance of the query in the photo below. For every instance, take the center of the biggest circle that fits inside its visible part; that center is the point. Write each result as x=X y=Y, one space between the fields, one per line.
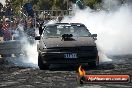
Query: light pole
x=11 y=12
x=109 y=4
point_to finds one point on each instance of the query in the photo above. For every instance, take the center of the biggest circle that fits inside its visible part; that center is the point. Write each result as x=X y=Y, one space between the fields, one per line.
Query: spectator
x=1 y=32
x=5 y=29
x=30 y=29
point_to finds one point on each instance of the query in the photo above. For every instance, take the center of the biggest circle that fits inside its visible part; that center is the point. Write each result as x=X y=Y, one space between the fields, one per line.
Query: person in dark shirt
x=5 y=29
x=1 y=32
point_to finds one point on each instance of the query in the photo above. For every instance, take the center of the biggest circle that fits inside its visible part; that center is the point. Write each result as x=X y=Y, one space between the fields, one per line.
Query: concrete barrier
x=11 y=49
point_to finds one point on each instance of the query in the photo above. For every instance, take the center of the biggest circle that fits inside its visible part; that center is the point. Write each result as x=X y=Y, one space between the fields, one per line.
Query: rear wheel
x=42 y=66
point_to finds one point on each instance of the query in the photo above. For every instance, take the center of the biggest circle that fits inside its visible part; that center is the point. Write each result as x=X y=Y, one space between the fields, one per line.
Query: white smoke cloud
x=31 y=52
x=2 y=1
x=111 y=4
x=113 y=28
x=30 y=48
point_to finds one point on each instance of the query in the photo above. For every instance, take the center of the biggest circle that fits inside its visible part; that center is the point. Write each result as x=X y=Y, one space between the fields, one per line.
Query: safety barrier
x=11 y=48
x=51 y=14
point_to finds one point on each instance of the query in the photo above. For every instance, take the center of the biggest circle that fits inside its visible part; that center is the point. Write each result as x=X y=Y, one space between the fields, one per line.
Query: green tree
x=44 y=4
x=92 y=3
x=1 y=6
x=8 y=7
x=48 y=4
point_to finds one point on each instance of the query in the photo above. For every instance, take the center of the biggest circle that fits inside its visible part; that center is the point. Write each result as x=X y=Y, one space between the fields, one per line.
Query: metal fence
x=51 y=14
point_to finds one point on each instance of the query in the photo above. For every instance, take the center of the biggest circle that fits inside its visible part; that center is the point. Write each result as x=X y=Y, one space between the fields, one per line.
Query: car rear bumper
x=58 y=57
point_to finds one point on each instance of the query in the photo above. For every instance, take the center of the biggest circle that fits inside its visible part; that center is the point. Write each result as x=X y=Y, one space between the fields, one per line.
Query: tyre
x=42 y=66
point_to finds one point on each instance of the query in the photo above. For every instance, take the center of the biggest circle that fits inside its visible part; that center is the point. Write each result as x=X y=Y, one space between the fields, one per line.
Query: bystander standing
x=1 y=32
x=5 y=29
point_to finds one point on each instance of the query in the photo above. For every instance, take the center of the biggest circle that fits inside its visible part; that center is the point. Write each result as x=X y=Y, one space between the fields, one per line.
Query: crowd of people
x=10 y=28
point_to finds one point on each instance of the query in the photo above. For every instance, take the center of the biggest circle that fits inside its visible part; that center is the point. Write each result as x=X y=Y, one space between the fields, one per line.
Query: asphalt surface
x=16 y=75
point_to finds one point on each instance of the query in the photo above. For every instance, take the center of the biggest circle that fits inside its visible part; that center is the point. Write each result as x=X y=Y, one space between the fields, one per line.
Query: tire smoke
x=29 y=51
x=113 y=28
x=30 y=48
x=2 y=1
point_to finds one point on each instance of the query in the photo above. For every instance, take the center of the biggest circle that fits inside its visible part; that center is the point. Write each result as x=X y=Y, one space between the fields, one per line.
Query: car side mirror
x=94 y=35
x=37 y=38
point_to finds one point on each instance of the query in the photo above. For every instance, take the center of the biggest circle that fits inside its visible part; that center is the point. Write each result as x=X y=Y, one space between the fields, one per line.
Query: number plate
x=70 y=55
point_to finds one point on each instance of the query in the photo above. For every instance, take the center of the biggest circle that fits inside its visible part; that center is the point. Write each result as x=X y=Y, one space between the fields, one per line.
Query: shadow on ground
x=102 y=66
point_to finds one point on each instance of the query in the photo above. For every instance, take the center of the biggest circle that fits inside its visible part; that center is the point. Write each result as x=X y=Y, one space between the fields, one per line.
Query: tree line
x=16 y=5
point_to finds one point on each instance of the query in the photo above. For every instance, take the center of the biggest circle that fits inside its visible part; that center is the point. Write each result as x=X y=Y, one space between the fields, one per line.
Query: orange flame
x=81 y=71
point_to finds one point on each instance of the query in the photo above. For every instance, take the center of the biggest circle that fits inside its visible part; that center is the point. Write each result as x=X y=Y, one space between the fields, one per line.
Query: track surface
x=25 y=76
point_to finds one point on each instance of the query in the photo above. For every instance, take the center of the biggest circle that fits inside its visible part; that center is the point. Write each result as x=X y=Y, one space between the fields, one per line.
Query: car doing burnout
x=66 y=43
